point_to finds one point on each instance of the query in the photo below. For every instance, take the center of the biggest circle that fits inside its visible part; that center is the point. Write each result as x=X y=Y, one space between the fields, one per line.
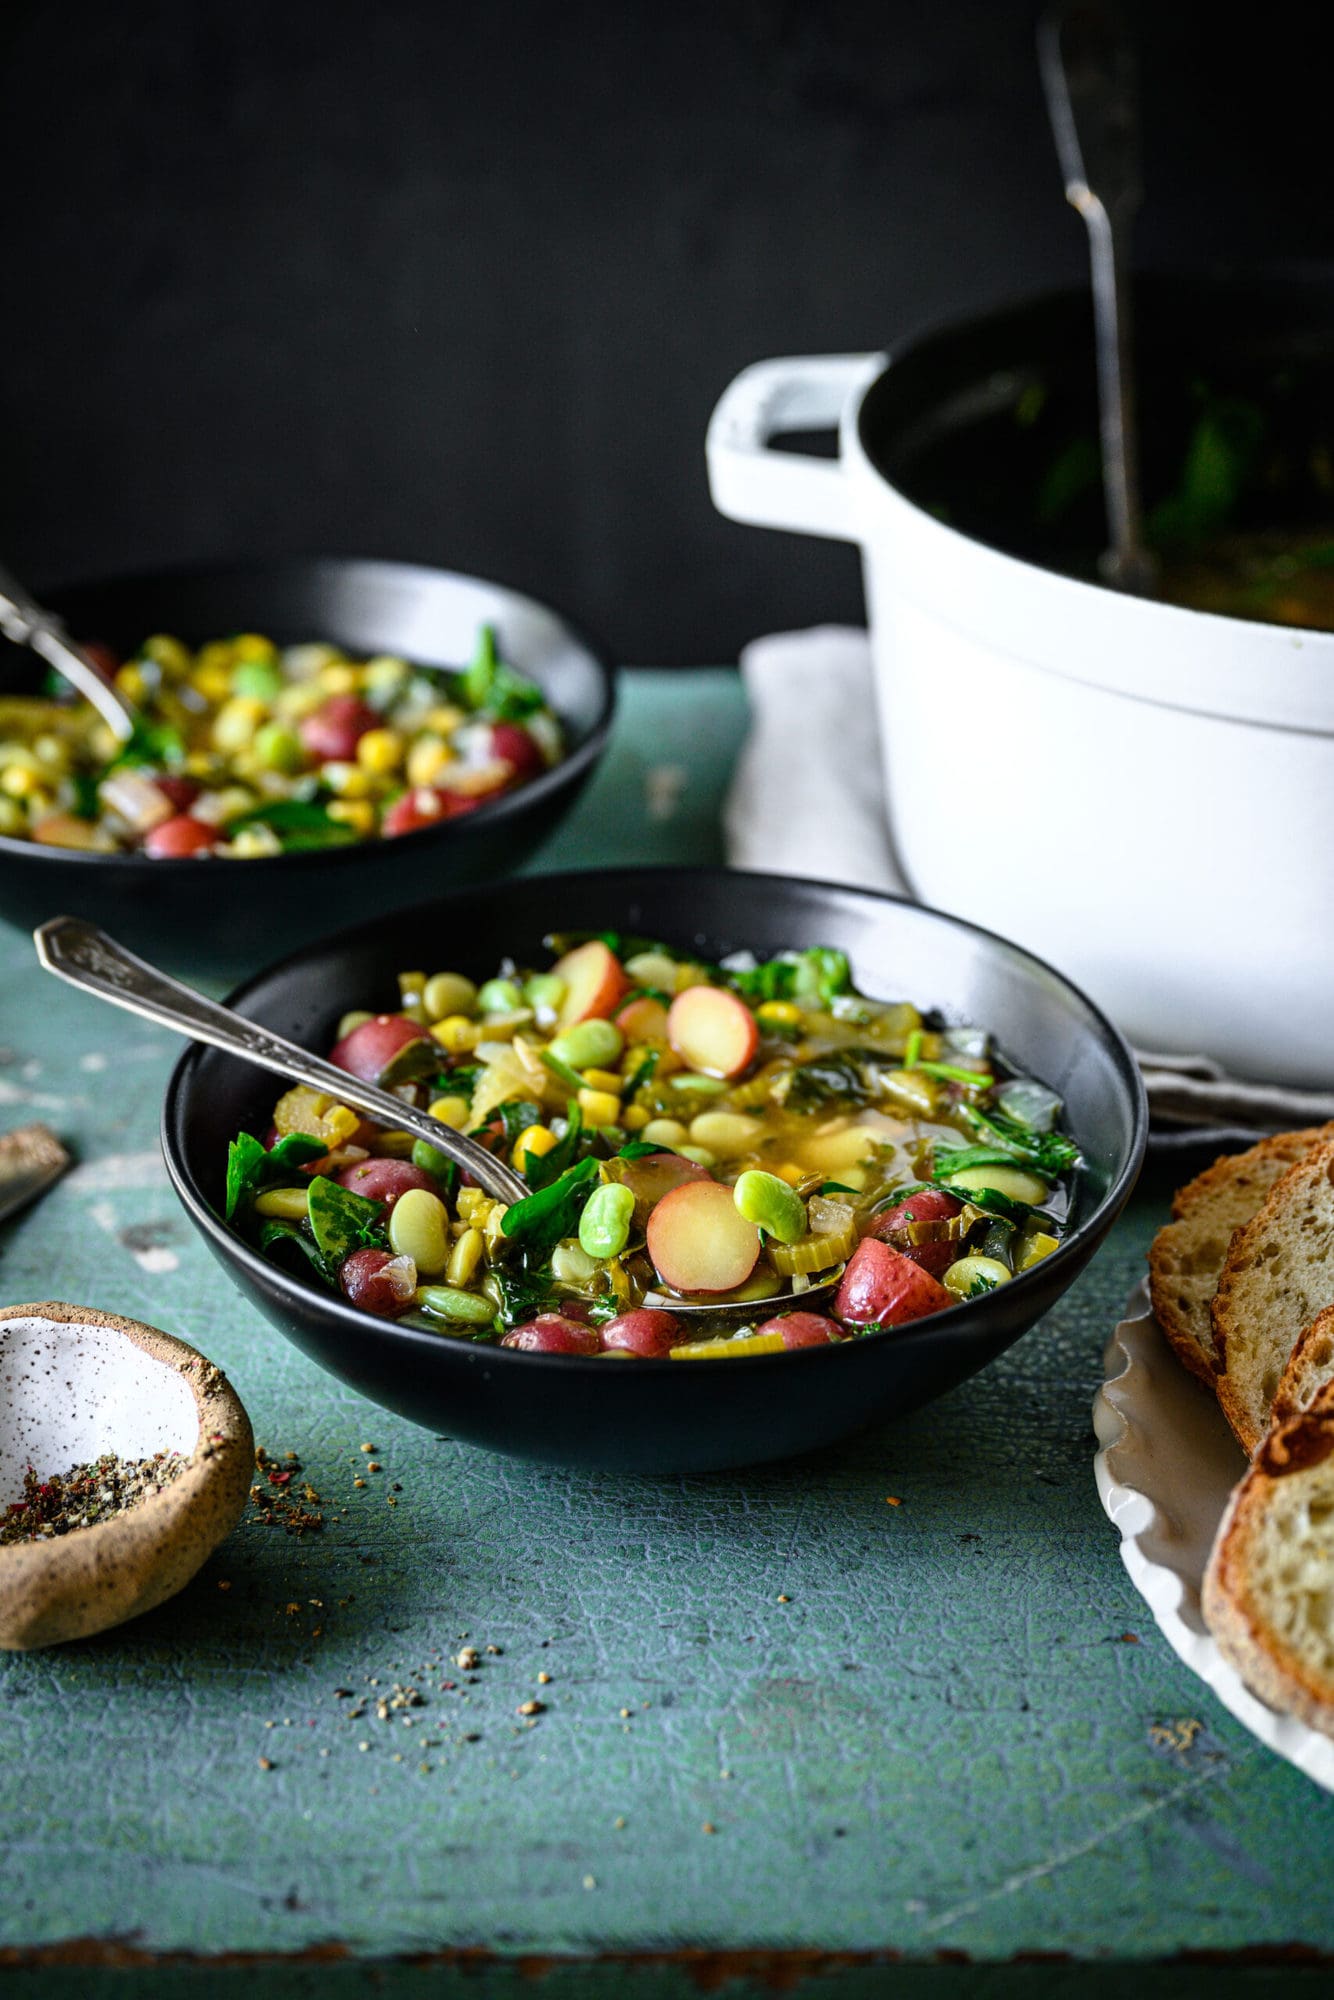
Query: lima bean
x=419 y=1228
x=604 y=1226
x=588 y=1044
x=771 y=1205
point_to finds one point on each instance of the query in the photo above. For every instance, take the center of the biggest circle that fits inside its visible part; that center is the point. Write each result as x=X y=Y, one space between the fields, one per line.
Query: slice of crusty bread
x=1268 y=1593
x=1187 y=1256
x=1310 y=1366
x=1278 y=1275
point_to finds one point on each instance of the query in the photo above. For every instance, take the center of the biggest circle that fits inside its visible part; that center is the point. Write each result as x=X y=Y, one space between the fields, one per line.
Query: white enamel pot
x=1141 y=793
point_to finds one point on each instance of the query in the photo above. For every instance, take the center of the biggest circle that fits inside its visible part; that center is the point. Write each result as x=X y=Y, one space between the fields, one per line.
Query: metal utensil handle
x=1088 y=75
x=88 y=958
x=27 y=623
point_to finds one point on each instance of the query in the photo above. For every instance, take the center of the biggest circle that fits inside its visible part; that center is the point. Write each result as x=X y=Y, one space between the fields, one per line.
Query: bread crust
x=1291 y=1204
x=1311 y=1361
x=1231 y=1598
x=1235 y=1186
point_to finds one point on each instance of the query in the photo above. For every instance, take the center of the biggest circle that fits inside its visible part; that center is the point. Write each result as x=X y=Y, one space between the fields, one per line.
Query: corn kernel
x=778 y=1014
x=453 y=1111
x=634 y=1118
x=130 y=682
x=19 y=781
x=457 y=1033
x=253 y=646
x=212 y=680
x=236 y=721
x=791 y=1173
x=169 y=653
x=217 y=653
x=604 y=1079
x=380 y=751
x=427 y=759
x=253 y=843
x=338 y=678
x=359 y=814
x=536 y=1139
x=599 y=1107
x=201 y=764
x=348 y=780
x=444 y=718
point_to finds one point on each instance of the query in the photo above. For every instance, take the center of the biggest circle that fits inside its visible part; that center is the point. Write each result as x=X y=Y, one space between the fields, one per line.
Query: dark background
x=463 y=284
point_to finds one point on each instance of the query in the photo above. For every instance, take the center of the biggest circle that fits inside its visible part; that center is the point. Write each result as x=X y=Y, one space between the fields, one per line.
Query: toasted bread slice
x=1186 y=1258
x=1310 y=1366
x=1278 y=1275
x=1268 y=1593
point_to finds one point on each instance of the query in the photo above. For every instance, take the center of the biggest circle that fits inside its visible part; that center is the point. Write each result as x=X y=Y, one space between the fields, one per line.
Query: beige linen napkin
x=807 y=798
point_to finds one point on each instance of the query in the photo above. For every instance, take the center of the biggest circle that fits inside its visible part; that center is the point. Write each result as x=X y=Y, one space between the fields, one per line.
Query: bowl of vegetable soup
x=763 y=1129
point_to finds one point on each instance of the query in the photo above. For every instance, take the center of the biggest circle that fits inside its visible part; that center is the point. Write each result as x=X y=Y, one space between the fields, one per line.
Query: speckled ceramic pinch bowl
x=75 y=1384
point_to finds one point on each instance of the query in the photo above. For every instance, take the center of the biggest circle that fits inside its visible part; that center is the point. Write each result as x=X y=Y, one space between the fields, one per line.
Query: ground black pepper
x=85 y=1495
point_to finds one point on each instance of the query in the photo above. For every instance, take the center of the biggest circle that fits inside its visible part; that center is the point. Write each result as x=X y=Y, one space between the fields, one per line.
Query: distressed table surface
x=793 y=1735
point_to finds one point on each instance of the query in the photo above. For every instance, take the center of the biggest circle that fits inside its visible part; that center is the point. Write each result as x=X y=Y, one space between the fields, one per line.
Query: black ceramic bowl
x=233 y=914
x=664 y=1416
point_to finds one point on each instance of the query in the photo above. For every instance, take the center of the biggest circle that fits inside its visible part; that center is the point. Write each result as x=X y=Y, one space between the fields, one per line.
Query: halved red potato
x=883 y=1287
x=699 y=1241
x=367 y=1049
x=927 y=1205
x=642 y=1019
x=712 y=1030
x=595 y=982
x=386 y=1180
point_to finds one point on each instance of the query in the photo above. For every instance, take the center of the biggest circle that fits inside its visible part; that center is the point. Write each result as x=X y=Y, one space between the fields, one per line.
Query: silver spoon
x=1088 y=75
x=23 y=620
x=94 y=962
x=87 y=958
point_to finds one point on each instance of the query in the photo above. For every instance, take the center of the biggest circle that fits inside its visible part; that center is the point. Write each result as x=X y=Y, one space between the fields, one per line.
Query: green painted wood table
x=890 y=1718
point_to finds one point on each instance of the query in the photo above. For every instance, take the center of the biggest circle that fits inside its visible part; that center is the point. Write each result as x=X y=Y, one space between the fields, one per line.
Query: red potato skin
x=362 y=1280
x=883 y=1287
x=332 y=733
x=712 y=1030
x=179 y=792
x=647 y=1331
x=642 y=1020
x=376 y=1042
x=510 y=741
x=386 y=1180
x=427 y=805
x=103 y=657
x=800 y=1329
x=595 y=981
x=932 y=1205
x=175 y=839
x=554 y=1333
x=700 y=1205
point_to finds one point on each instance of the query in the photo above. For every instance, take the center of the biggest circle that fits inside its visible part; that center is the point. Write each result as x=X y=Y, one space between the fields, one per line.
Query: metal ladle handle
x=28 y=623
x=87 y=958
x=1088 y=77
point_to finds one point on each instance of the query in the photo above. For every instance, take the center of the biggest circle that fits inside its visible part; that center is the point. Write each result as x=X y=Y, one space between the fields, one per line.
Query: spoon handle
x=1088 y=75
x=24 y=620
x=88 y=958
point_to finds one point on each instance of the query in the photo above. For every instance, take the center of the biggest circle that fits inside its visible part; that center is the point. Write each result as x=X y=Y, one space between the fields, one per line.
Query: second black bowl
x=231 y=915
x=663 y=1416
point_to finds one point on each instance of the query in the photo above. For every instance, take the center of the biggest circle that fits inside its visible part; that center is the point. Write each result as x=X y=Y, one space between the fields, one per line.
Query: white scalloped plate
x=1166 y=1466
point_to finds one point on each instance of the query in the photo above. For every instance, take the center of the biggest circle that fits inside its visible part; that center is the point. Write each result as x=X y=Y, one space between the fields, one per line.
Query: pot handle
x=750 y=481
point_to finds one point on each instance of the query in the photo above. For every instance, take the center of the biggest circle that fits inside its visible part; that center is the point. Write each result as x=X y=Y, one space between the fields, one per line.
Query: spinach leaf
x=838 y=1076
x=524 y=1293
x=300 y=824
x=820 y=973
x=279 y=1235
x=492 y=688
x=639 y=1149
x=516 y=1114
x=541 y=1169
x=1047 y=1153
x=1220 y=455
x=251 y=1166
x=643 y=1074
x=342 y=1222
x=155 y=743
x=537 y=1224
x=990 y=1202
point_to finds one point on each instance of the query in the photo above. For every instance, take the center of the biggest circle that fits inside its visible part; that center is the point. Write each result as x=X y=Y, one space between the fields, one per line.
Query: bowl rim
x=270 y=1276
x=568 y=770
